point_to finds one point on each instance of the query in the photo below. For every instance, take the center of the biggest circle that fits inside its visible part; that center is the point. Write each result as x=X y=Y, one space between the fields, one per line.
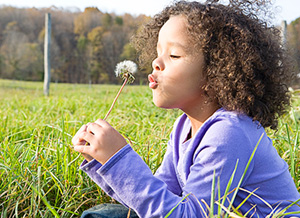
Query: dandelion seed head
x=126 y=69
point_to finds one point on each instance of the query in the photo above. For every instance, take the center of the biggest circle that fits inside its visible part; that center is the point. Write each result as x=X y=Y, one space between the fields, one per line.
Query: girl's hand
x=76 y=140
x=104 y=141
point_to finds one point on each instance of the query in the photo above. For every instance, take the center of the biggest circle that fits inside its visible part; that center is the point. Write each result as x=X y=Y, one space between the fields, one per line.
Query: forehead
x=174 y=31
x=175 y=23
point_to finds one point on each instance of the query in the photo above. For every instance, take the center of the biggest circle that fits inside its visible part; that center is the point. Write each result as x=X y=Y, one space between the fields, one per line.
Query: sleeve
x=130 y=177
x=133 y=183
x=90 y=168
x=167 y=173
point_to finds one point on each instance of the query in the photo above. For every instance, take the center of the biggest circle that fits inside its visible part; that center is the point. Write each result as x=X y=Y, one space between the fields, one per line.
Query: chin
x=162 y=104
x=157 y=103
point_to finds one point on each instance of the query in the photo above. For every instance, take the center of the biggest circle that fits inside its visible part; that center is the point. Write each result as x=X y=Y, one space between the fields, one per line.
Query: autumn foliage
x=85 y=46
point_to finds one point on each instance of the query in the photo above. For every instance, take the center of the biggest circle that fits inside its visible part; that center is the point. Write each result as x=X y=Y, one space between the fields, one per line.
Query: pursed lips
x=152 y=81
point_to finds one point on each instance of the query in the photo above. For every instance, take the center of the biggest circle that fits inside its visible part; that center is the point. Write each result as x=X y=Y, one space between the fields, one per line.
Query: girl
x=227 y=72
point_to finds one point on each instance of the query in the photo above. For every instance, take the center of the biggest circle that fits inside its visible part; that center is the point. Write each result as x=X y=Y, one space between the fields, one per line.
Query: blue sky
x=287 y=9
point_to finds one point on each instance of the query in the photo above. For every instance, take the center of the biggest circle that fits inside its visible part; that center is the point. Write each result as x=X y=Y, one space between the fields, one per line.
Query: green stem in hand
x=113 y=104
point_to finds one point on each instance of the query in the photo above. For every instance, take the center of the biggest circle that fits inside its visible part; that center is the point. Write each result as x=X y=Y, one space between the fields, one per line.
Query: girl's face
x=177 y=78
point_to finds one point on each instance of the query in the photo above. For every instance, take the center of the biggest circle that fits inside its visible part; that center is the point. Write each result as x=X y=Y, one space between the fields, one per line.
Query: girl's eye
x=174 y=56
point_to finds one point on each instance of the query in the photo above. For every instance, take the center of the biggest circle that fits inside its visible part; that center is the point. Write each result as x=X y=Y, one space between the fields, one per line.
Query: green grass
x=39 y=170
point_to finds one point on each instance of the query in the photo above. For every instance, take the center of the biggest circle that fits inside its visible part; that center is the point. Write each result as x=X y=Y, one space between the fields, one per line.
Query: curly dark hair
x=247 y=68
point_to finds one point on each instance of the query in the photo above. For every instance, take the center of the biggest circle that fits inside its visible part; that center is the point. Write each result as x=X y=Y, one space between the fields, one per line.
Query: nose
x=158 y=64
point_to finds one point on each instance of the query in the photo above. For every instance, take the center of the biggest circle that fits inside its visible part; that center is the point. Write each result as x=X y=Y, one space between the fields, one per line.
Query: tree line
x=293 y=42
x=85 y=46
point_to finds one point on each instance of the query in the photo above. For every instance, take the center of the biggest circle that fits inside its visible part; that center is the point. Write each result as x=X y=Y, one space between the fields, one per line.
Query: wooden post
x=283 y=33
x=47 y=44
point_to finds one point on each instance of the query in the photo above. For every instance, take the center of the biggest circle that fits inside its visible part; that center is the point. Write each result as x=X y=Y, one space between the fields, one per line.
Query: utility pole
x=47 y=44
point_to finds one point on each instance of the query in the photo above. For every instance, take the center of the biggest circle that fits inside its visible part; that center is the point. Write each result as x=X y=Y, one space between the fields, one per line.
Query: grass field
x=39 y=174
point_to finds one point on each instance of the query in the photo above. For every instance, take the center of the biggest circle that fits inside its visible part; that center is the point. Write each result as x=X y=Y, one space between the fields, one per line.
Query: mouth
x=152 y=81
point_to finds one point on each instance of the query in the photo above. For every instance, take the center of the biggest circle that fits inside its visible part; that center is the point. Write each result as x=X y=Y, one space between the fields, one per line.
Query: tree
x=119 y=21
x=113 y=43
x=13 y=50
x=1 y=65
x=107 y=20
x=85 y=45
x=86 y=21
x=31 y=62
x=96 y=60
x=83 y=56
x=293 y=39
x=128 y=53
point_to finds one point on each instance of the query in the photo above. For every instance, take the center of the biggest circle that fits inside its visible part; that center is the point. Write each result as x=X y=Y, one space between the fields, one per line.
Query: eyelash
x=175 y=56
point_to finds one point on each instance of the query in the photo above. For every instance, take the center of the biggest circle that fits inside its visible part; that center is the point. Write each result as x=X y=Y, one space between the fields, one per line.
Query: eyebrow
x=176 y=44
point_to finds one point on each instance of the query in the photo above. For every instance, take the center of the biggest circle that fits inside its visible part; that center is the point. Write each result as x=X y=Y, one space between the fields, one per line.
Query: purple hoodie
x=189 y=166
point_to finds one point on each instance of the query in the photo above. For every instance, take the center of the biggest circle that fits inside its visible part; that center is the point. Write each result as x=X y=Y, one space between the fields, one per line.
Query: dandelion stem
x=125 y=81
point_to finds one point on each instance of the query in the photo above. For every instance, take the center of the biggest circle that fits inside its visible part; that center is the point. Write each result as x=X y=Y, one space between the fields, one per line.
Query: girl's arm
x=165 y=173
x=90 y=168
x=127 y=174
x=130 y=177
x=134 y=184
x=91 y=165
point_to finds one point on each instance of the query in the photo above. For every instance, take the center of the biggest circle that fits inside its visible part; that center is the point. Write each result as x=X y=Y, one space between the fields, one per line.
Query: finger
x=102 y=123
x=84 y=137
x=83 y=149
x=75 y=138
x=94 y=128
x=82 y=128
